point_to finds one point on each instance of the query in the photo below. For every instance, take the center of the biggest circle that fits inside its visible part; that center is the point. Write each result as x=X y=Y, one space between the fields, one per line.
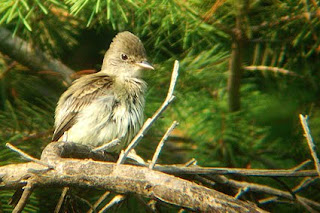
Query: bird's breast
x=117 y=115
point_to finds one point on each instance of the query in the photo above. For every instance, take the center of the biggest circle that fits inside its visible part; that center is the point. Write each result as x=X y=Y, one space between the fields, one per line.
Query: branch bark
x=181 y=169
x=31 y=57
x=120 y=179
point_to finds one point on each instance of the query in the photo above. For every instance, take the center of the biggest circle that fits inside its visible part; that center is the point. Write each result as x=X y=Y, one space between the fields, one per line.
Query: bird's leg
x=135 y=157
x=65 y=136
x=109 y=145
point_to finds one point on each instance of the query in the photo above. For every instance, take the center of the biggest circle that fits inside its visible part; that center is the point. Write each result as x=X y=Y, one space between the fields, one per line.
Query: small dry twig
x=311 y=144
x=98 y=202
x=241 y=191
x=161 y=143
x=61 y=199
x=116 y=200
x=181 y=169
x=27 y=190
x=301 y=165
x=26 y=156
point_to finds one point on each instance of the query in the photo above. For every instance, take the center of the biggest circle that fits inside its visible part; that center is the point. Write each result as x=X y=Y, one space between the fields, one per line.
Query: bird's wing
x=78 y=96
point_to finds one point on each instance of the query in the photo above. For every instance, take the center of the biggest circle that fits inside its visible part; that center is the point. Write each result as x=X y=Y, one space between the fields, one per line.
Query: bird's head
x=126 y=56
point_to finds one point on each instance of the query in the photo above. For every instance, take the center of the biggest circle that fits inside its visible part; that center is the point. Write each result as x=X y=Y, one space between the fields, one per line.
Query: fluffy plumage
x=100 y=107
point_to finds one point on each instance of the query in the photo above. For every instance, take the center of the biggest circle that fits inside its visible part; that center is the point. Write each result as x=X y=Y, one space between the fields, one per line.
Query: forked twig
x=311 y=144
x=146 y=126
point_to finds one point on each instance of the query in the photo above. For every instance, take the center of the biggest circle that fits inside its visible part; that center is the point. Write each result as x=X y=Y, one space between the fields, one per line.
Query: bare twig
x=241 y=192
x=98 y=202
x=146 y=126
x=301 y=165
x=26 y=156
x=181 y=169
x=27 y=190
x=61 y=199
x=108 y=145
x=281 y=20
x=254 y=187
x=117 y=199
x=311 y=145
x=161 y=143
x=304 y=183
x=193 y=162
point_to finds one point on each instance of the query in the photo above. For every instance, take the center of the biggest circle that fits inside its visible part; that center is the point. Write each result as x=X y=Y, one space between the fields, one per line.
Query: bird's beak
x=145 y=65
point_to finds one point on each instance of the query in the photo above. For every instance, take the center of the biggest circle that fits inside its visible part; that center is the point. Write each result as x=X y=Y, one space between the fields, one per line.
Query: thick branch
x=124 y=179
x=31 y=57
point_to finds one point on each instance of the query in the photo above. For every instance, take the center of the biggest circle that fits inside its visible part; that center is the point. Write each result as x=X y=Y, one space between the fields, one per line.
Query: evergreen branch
x=273 y=69
x=32 y=57
x=311 y=144
x=283 y=19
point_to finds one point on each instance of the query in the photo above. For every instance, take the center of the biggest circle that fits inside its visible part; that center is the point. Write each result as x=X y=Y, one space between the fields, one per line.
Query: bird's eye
x=124 y=57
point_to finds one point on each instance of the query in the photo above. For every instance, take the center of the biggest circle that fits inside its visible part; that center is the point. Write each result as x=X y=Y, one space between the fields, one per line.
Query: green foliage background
x=264 y=133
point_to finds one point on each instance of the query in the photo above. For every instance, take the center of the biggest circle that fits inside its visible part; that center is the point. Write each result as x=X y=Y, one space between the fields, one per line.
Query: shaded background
x=247 y=70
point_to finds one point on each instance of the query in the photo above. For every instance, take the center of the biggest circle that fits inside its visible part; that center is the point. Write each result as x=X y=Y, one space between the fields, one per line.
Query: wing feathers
x=82 y=92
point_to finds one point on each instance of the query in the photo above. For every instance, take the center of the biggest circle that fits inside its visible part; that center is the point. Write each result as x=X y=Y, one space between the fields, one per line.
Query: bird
x=107 y=105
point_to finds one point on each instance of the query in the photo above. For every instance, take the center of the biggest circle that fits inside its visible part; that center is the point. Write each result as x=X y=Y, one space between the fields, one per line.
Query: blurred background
x=247 y=70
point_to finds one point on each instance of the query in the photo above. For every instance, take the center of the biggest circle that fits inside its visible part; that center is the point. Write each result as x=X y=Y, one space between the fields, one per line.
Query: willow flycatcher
x=100 y=107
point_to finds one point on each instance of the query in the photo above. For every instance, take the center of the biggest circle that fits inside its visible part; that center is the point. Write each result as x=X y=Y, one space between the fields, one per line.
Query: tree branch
x=181 y=169
x=161 y=143
x=311 y=145
x=124 y=179
x=31 y=57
